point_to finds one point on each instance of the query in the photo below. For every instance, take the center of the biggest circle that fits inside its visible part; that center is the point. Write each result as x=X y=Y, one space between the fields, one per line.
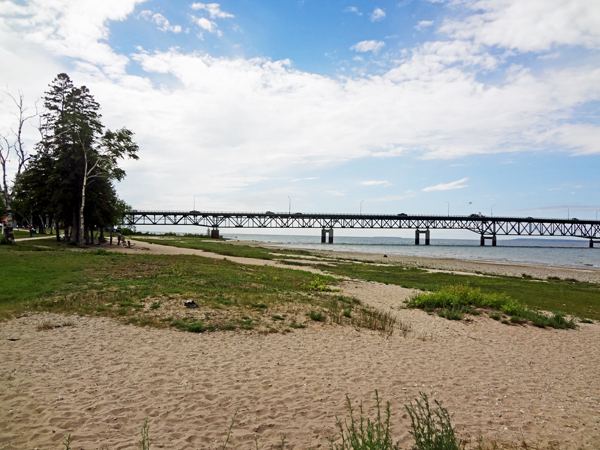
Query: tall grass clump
x=431 y=429
x=365 y=434
x=453 y=302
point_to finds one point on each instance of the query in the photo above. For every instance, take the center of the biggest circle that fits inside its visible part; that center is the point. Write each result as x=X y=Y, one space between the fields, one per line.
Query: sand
x=97 y=380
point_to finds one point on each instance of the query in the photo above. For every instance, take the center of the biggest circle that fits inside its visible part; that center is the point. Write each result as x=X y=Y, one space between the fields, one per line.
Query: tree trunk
x=57 y=232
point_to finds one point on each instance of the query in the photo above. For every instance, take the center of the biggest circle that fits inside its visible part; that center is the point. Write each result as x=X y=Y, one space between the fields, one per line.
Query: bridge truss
x=486 y=227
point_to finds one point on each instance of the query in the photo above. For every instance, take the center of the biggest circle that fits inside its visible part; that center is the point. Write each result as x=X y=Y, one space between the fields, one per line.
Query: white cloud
x=377 y=14
x=353 y=9
x=532 y=25
x=207 y=24
x=304 y=179
x=213 y=9
x=424 y=24
x=242 y=120
x=375 y=183
x=368 y=46
x=448 y=186
x=161 y=21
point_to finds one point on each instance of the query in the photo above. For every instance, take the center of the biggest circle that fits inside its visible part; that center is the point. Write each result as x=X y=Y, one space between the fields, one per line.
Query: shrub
x=431 y=429
x=358 y=434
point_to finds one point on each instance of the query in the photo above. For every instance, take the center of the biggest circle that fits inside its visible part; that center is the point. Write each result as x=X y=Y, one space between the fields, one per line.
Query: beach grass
x=454 y=302
x=567 y=296
x=146 y=289
x=571 y=297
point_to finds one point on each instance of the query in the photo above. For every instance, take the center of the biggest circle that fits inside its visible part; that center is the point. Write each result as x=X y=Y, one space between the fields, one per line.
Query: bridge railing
x=366 y=216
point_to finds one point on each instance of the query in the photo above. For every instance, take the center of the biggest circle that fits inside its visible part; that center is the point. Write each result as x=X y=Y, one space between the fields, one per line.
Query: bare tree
x=12 y=144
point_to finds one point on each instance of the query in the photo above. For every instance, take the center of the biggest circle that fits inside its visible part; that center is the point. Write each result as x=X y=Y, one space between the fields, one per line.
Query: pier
x=486 y=227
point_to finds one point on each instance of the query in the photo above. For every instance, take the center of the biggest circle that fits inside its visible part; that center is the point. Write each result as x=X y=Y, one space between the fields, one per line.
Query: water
x=543 y=252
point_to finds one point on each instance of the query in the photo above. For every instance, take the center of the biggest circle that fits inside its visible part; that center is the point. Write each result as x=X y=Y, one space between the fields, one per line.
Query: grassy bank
x=151 y=290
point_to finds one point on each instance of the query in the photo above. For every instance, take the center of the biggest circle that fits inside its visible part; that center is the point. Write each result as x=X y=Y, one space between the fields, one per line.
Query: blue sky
x=393 y=106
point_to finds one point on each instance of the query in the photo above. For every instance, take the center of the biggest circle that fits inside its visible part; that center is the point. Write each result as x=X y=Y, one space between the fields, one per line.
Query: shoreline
x=452 y=264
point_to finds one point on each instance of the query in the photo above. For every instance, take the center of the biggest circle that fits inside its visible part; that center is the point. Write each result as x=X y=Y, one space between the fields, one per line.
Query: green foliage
x=320 y=284
x=363 y=433
x=76 y=163
x=431 y=429
x=453 y=302
x=67 y=442
x=155 y=305
x=578 y=298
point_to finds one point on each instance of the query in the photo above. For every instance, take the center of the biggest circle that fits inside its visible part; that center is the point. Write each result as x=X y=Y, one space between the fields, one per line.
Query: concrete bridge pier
x=492 y=238
x=214 y=233
x=592 y=242
x=324 y=233
x=417 y=236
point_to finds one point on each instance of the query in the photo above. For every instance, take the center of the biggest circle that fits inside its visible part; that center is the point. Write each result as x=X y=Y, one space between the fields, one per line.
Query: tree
x=13 y=146
x=71 y=176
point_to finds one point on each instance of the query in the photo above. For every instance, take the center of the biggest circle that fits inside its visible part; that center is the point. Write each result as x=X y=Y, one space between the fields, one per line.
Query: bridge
x=487 y=227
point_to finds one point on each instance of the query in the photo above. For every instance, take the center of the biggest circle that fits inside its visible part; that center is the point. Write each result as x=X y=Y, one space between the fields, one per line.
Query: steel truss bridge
x=487 y=227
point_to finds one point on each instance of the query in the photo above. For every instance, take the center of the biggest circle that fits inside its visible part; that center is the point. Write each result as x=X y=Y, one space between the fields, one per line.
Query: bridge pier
x=324 y=233
x=592 y=242
x=492 y=238
x=214 y=233
x=417 y=236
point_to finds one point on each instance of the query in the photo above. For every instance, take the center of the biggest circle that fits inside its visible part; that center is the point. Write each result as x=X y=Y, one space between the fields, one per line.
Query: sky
x=405 y=106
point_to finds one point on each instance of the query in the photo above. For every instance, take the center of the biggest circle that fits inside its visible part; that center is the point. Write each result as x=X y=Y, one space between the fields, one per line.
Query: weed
x=375 y=320
x=102 y=251
x=347 y=313
x=296 y=325
x=495 y=316
x=505 y=322
x=361 y=434
x=431 y=429
x=278 y=317
x=316 y=316
x=585 y=320
x=228 y=327
x=229 y=430
x=155 y=305
x=319 y=284
x=145 y=442
x=67 y=442
x=100 y=308
x=247 y=324
x=44 y=326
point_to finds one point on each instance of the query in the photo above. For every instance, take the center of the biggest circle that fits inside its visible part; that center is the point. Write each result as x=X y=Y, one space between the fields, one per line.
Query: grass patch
x=579 y=299
x=454 y=302
x=317 y=316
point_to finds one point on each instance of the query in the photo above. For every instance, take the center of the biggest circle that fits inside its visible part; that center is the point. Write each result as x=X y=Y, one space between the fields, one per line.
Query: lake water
x=544 y=252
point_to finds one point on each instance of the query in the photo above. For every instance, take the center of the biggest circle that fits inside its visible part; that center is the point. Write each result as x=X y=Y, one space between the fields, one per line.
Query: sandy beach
x=97 y=379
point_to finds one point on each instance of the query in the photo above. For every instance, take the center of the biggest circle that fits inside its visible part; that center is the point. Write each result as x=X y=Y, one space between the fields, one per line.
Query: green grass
x=225 y=248
x=67 y=279
x=572 y=297
x=453 y=302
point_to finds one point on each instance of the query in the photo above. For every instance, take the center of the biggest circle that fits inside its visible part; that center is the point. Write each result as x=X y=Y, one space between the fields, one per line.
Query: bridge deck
x=485 y=226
